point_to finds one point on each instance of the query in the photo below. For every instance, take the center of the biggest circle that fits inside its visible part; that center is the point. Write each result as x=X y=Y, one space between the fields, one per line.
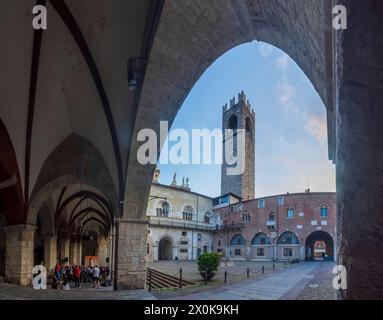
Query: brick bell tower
x=240 y=116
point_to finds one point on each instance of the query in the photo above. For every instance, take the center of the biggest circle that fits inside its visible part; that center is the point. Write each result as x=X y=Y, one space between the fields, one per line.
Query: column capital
x=20 y=227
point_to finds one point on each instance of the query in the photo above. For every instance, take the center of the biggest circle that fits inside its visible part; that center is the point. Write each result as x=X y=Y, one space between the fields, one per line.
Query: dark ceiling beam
x=69 y=20
x=36 y=50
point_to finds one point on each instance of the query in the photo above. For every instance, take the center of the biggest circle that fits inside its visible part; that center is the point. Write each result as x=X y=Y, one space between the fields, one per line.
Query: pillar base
x=19 y=246
x=131 y=254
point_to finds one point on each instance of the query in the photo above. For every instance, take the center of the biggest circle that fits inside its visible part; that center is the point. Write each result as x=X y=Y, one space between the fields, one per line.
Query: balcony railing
x=232 y=226
x=179 y=223
x=271 y=223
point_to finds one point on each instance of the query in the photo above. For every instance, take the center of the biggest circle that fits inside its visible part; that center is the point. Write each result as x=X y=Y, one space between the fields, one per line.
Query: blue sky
x=291 y=131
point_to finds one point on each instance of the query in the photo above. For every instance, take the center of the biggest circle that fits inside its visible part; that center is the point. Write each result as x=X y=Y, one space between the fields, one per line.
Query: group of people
x=63 y=275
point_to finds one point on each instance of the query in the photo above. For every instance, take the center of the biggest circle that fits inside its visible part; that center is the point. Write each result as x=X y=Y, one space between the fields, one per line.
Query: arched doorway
x=165 y=249
x=89 y=244
x=319 y=247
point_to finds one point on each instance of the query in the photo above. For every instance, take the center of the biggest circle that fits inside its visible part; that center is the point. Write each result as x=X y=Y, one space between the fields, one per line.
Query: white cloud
x=283 y=62
x=265 y=49
x=316 y=126
x=287 y=95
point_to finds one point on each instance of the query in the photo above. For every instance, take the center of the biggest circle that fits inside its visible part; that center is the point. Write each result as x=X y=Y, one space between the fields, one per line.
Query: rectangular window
x=184 y=233
x=237 y=252
x=260 y=252
x=183 y=250
x=184 y=243
x=147 y=248
x=261 y=204
x=290 y=213
x=288 y=252
x=280 y=201
x=324 y=212
x=314 y=223
x=199 y=236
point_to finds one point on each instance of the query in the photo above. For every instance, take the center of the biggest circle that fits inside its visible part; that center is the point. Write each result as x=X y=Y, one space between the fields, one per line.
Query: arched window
x=272 y=216
x=188 y=213
x=246 y=217
x=163 y=210
x=233 y=122
x=288 y=238
x=237 y=240
x=260 y=239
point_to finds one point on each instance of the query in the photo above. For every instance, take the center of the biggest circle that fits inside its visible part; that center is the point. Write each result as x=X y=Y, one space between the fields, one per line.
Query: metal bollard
x=225 y=277
x=180 y=284
x=248 y=273
x=273 y=266
x=206 y=276
x=263 y=269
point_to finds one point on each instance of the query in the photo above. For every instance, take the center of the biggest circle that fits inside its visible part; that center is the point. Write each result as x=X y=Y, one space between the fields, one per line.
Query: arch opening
x=165 y=249
x=319 y=247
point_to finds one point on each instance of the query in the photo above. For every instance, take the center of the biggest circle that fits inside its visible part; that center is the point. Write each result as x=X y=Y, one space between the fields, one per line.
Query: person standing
x=76 y=276
x=96 y=277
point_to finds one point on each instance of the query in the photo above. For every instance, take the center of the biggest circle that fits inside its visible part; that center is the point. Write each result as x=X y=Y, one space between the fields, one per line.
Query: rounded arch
x=319 y=246
x=260 y=239
x=77 y=160
x=237 y=240
x=165 y=248
x=288 y=238
x=169 y=237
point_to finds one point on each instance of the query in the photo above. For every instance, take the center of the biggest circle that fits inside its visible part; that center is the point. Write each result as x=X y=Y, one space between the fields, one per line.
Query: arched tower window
x=248 y=125
x=233 y=122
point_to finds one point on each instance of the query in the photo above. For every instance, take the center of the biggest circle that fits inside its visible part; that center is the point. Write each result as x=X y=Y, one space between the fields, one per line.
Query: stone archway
x=165 y=249
x=319 y=246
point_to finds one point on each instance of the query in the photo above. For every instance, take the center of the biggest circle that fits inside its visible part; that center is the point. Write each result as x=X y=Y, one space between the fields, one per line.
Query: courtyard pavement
x=283 y=285
x=306 y=281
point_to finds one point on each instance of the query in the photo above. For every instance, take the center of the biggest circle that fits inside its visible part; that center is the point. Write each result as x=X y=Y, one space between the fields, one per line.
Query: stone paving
x=276 y=286
x=306 y=281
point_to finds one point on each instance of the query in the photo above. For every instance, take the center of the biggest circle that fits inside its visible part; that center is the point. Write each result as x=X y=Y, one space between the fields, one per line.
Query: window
x=183 y=250
x=219 y=243
x=184 y=233
x=261 y=204
x=280 y=201
x=260 y=239
x=199 y=237
x=248 y=125
x=233 y=122
x=290 y=213
x=207 y=219
x=188 y=213
x=147 y=248
x=238 y=240
x=246 y=217
x=237 y=252
x=272 y=216
x=324 y=212
x=148 y=231
x=184 y=243
x=260 y=252
x=288 y=252
x=288 y=238
x=163 y=210
x=205 y=249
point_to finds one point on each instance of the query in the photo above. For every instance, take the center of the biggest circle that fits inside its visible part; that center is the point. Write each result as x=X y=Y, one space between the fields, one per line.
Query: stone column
x=19 y=246
x=359 y=156
x=155 y=252
x=65 y=248
x=79 y=252
x=131 y=252
x=50 y=252
x=73 y=253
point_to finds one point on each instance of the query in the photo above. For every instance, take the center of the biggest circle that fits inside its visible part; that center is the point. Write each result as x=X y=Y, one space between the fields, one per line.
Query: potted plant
x=208 y=262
